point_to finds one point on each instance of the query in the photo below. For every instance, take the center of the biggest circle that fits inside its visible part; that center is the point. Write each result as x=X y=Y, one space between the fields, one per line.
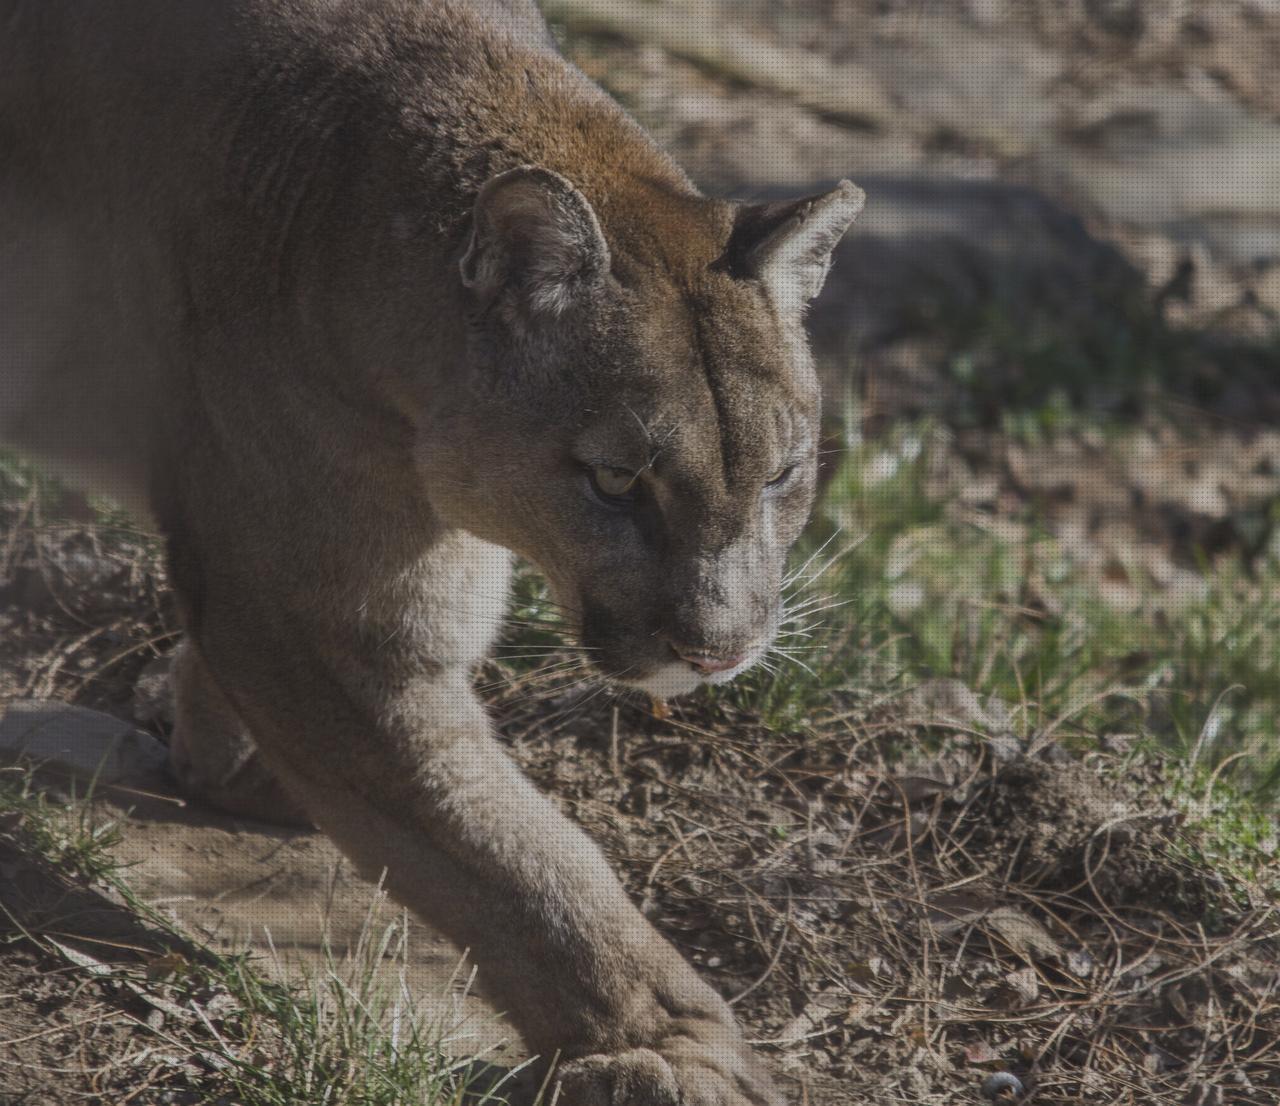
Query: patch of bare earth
x=87 y=1010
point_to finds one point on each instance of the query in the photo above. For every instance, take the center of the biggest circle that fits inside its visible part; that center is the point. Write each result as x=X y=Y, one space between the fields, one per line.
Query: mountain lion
x=359 y=298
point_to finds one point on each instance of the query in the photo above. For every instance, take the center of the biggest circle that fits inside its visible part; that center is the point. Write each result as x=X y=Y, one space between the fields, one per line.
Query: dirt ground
x=70 y=1029
x=900 y=929
x=892 y=926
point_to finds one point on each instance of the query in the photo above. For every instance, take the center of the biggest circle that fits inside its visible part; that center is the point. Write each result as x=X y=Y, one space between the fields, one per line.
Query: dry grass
x=103 y=1000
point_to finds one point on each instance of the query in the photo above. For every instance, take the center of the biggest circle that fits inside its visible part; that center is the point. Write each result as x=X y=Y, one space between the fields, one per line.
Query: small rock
x=1080 y=962
x=1002 y=1083
x=82 y=742
x=1026 y=983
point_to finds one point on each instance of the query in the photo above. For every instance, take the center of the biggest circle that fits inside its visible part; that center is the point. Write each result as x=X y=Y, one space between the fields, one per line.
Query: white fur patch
x=669 y=681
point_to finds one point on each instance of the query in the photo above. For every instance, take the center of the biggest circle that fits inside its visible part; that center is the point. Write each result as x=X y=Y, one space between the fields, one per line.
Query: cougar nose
x=707 y=662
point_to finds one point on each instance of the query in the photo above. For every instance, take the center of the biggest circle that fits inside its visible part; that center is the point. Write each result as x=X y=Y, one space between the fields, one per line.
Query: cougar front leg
x=211 y=752
x=405 y=775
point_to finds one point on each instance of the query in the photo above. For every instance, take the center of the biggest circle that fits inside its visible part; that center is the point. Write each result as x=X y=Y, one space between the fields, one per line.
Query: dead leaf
x=158 y=1002
x=1023 y=934
x=980 y=1053
x=860 y=971
x=945 y=701
x=952 y=912
x=82 y=960
x=1026 y=982
x=161 y=967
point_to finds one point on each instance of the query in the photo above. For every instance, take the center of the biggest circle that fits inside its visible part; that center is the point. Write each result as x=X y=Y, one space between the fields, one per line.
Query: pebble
x=995 y=1085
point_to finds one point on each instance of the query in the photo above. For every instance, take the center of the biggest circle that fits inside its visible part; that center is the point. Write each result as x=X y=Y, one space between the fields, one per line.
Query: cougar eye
x=613 y=485
x=780 y=477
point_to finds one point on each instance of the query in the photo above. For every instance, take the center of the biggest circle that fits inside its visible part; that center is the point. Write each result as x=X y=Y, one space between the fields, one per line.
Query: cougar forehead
x=702 y=394
x=716 y=400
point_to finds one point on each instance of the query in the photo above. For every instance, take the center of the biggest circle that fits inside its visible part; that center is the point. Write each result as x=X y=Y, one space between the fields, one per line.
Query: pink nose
x=705 y=662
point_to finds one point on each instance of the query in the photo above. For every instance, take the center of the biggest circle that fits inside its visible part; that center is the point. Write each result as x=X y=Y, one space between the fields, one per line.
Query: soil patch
x=83 y=1023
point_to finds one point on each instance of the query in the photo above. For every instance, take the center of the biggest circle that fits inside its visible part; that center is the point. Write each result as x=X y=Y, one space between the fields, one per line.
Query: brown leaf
x=981 y=1053
x=1022 y=934
x=161 y=967
x=1026 y=982
x=859 y=971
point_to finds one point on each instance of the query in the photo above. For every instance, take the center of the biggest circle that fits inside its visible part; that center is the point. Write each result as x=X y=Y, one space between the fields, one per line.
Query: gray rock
x=84 y=743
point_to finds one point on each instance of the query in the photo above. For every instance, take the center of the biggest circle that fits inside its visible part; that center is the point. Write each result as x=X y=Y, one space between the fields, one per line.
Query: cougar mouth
x=650 y=659
x=683 y=674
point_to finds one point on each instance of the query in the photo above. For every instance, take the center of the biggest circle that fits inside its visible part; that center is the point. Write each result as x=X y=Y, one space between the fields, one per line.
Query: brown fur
x=351 y=296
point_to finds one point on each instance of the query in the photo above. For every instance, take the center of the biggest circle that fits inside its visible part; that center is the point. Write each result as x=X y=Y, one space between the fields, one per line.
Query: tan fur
x=353 y=295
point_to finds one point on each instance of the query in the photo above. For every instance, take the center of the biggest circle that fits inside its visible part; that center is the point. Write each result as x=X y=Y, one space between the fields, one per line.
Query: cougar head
x=638 y=412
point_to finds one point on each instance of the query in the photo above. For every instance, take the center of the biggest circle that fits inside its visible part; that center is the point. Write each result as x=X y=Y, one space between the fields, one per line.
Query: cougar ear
x=535 y=236
x=788 y=246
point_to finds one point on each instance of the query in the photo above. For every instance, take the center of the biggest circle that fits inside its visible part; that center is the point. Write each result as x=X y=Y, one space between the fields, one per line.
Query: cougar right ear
x=788 y=246
x=534 y=237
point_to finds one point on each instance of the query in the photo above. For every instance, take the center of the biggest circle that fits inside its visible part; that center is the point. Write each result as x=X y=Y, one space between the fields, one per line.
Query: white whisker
x=828 y=606
x=798 y=574
x=794 y=660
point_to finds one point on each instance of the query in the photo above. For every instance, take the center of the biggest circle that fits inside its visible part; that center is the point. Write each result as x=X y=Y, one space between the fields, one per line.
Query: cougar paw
x=636 y=1078
x=681 y=1076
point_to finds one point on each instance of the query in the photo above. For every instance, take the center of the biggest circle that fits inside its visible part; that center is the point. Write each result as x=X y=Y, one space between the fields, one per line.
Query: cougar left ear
x=535 y=237
x=788 y=246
